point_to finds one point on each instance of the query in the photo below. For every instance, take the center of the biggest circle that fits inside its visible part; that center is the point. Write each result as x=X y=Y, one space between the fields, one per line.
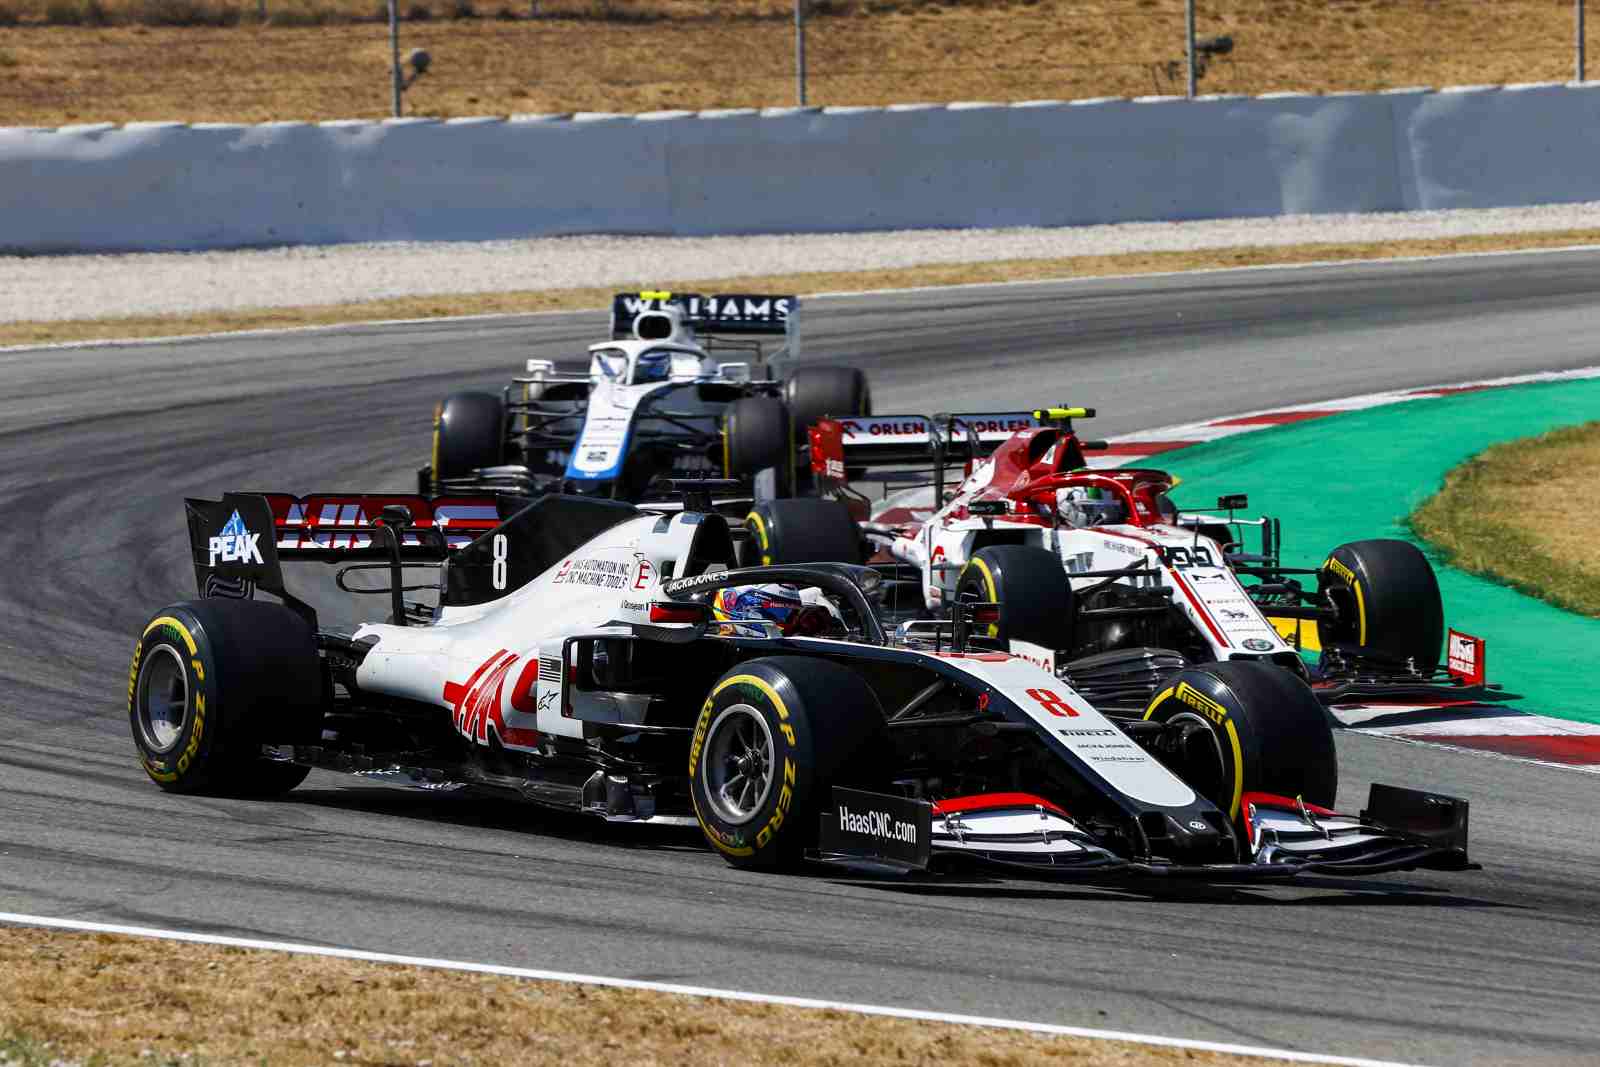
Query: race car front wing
x=1282 y=837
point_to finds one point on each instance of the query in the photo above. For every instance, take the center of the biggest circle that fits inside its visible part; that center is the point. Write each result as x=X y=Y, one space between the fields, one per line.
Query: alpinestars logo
x=235 y=544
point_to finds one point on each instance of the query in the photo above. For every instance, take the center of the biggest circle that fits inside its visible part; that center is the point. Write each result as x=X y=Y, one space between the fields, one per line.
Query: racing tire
x=813 y=392
x=774 y=735
x=210 y=683
x=755 y=436
x=802 y=530
x=1031 y=587
x=1386 y=600
x=468 y=433
x=1258 y=729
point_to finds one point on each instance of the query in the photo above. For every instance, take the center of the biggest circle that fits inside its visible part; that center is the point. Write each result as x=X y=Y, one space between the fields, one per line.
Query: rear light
x=667 y=612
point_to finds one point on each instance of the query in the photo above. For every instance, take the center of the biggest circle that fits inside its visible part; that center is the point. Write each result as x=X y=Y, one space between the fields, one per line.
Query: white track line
x=134 y=342
x=685 y=990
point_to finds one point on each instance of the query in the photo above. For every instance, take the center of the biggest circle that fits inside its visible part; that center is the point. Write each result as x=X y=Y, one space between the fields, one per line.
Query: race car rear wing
x=492 y=544
x=940 y=441
x=725 y=313
x=880 y=440
x=238 y=543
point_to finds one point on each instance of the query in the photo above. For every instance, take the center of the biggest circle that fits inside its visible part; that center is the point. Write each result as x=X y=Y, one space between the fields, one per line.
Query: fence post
x=1188 y=33
x=800 y=52
x=394 y=53
x=1578 y=19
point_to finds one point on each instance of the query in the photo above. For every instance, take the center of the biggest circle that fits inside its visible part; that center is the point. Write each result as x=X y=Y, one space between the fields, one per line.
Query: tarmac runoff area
x=59 y=288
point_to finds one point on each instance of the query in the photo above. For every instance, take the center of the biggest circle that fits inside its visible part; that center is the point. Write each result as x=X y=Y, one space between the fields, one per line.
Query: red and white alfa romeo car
x=1099 y=575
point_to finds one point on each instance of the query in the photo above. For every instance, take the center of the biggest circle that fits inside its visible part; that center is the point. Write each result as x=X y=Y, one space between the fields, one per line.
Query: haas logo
x=475 y=705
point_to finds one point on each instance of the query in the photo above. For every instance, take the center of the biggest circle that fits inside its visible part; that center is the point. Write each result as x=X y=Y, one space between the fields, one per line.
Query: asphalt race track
x=101 y=444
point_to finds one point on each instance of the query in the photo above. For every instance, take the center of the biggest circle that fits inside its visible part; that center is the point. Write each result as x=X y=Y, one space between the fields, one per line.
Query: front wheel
x=755 y=436
x=1385 y=600
x=774 y=736
x=1246 y=727
x=214 y=680
x=469 y=432
x=813 y=392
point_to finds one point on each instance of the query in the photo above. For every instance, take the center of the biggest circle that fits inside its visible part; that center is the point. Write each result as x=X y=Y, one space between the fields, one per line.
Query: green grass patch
x=1522 y=513
x=20 y=1050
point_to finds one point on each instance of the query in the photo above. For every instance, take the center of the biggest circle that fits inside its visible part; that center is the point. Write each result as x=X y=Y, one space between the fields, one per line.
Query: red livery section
x=475 y=703
x=995 y=802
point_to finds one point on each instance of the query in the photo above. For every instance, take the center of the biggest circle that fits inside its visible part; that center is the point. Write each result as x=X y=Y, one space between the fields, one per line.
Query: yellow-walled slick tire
x=1386 y=600
x=214 y=680
x=1031 y=587
x=1245 y=727
x=469 y=433
x=774 y=736
x=803 y=530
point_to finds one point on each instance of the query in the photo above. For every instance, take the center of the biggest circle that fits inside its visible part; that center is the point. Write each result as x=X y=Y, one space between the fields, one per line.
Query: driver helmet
x=798 y=612
x=652 y=366
x=1089 y=506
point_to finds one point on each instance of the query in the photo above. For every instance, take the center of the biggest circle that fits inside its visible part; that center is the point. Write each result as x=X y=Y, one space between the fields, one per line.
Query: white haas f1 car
x=660 y=399
x=1099 y=576
x=575 y=660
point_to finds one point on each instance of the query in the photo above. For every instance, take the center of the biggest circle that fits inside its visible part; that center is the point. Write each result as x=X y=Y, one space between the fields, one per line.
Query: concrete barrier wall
x=175 y=186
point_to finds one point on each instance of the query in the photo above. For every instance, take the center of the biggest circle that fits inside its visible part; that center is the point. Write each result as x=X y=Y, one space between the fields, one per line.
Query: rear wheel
x=468 y=434
x=756 y=436
x=214 y=680
x=803 y=530
x=774 y=736
x=1386 y=600
x=1031 y=588
x=1245 y=727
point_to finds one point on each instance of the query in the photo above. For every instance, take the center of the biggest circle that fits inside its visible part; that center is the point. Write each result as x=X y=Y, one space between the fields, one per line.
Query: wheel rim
x=163 y=698
x=737 y=765
x=1210 y=771
x=1342 y=626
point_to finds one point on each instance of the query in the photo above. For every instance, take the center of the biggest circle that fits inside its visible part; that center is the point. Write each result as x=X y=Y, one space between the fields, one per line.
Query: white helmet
x=1088 y=506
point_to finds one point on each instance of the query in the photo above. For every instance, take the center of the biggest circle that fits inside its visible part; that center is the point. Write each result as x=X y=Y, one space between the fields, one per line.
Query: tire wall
x=158 y=186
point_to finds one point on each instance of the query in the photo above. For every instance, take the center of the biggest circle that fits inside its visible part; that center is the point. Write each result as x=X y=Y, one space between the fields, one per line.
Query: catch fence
x=67 y=61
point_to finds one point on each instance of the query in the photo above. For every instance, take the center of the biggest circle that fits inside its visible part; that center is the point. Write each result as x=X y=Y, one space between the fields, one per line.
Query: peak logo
x=234 y=544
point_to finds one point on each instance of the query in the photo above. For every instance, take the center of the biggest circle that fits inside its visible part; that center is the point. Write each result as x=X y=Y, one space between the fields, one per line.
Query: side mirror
x=1232 y=502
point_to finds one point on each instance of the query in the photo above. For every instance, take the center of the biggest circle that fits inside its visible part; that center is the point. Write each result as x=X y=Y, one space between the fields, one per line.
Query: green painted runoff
x=1360 y=474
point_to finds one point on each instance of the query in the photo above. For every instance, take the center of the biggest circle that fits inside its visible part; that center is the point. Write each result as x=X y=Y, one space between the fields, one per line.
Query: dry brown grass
x=137 y=1001
x=1523 y=513
x=722 y=53
x=20 y=333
